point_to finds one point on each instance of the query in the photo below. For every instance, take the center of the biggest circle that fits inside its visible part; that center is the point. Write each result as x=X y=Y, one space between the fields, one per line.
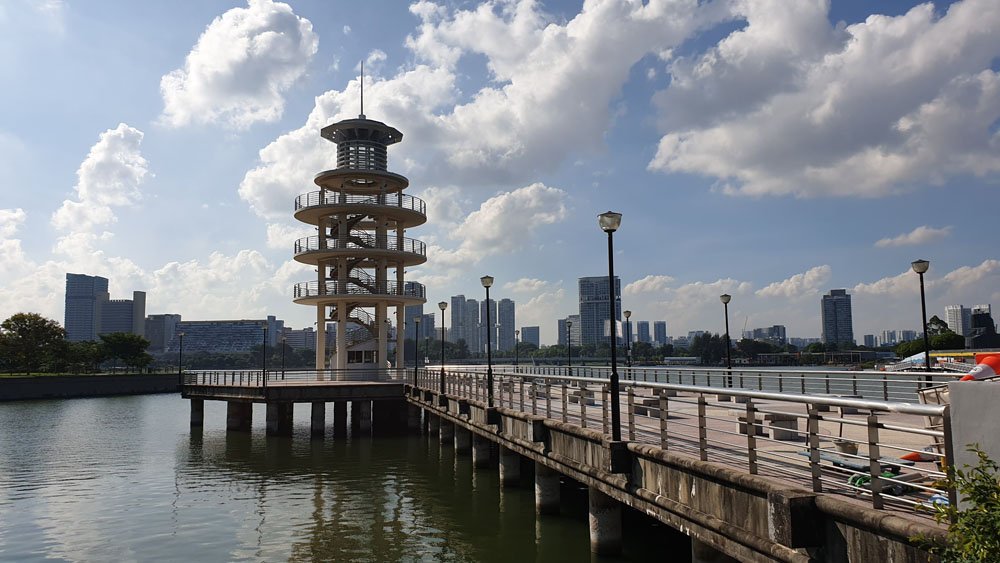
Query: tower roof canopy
x=361 y=129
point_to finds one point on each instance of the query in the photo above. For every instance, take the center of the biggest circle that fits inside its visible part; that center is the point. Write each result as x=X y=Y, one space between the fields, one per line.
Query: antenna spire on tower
x=362 y=89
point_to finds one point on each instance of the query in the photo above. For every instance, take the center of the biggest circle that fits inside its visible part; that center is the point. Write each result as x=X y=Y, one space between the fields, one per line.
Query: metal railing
x=334 y=287
x=361 y=240
x=259 y=378
x=847 y=446
x=876 y=385
x=329 y=197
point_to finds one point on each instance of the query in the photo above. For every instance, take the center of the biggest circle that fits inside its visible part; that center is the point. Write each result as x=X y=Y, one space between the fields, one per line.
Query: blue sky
x=768 y=149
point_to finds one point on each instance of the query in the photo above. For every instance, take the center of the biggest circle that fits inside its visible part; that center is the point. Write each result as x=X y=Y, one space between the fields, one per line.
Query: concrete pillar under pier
x=340 y=418
x=446 y=433
x=433 y=423
x=317 y=427
x=389 y=417
x=702 y=552
x=605 y=516
x=239 y=416
x=546 y=490
x=363 y=412
x=480 y=451
x=510 y=467
x=197 y=412
x=279 y=419
x=413 y=418
x=463 y=440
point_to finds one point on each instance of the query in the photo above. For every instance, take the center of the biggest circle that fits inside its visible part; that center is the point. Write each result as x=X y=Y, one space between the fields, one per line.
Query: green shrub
x=974 y=525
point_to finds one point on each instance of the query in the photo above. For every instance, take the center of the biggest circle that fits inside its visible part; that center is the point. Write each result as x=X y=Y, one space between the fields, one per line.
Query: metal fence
x=824 y=442
x=259 y=378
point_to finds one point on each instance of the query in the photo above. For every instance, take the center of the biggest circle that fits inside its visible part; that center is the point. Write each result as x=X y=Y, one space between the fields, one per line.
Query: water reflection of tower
x=360 y=214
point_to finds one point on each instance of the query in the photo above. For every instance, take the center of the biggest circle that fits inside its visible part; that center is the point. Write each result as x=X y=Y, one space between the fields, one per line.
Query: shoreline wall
x=78 y=386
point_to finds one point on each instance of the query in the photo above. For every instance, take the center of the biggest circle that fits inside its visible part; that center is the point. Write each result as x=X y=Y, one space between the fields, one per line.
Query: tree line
x=31 y=343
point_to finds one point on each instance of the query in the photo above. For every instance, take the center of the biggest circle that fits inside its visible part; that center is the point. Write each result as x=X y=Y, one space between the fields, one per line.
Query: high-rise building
x=456 y=331
x=660 y=332
x=471 y=328
x=124 y=315
x=838 y=325
x=300 y=339
x=772 y=334
x=870 y=340
x=505 y=325
x=90 y=312
x=227 y=336
x=569 y=330
x=532 y=335
x=642 y=331
x=959 y=319
x=907 y=335
x=84 y=297
x=481 y=347
x=411 y=312
x=982 y=329
x=596 y=298
x=159 y=330
x=889 y=338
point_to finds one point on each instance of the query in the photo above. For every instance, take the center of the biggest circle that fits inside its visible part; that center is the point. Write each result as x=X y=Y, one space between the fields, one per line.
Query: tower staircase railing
x=328 y=197
x=338 y=288
x=361 y=240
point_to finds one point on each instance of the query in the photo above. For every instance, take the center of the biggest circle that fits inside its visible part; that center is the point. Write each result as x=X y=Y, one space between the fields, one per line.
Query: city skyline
x=170 y=176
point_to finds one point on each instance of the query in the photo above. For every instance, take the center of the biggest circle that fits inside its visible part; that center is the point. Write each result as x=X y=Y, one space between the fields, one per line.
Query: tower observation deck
x=359 y=250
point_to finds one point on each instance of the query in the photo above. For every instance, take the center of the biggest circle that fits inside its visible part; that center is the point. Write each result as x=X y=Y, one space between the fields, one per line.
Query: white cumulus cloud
x=920 y=235
x=648 y=284
x=793 y=105
x=110 y=176
x=799 y=285
x=240 y=68
x=527 y=285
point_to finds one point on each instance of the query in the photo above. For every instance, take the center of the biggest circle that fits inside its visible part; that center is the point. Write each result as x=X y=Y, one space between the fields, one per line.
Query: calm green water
x=124 y=479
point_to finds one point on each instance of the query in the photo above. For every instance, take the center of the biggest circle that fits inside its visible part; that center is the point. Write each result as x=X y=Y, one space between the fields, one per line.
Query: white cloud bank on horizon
x=240 y=68
x=794 y=105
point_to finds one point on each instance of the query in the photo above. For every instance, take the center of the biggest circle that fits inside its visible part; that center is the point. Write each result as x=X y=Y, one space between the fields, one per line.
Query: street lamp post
x=920 y=267
x=569 y=348
x=263 y=356
x=416 y=347
x=487 y=282
x=442 y=305
x=725 y=298
x=180 y=359
x=628 y=339
x=609 y=223
x=517 y=337
x=282 y=339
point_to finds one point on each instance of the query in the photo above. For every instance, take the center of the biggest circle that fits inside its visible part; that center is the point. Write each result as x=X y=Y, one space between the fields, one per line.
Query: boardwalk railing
x=879 y=385
x=259 y=378
x=827 y=443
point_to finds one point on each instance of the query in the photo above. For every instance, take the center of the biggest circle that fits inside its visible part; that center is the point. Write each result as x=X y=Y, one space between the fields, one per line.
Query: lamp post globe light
x=920 y=267
x=487 y=282
x=416 y=348
x=517 y=338
x=609 y=222
x=628 y=339
x=725 y=298
x=442 y=305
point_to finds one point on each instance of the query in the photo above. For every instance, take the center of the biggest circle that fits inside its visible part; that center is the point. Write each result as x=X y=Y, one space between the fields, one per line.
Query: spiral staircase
x=359 y=252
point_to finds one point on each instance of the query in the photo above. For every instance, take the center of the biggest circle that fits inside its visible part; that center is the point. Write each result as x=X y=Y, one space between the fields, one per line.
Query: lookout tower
x=359 y=251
